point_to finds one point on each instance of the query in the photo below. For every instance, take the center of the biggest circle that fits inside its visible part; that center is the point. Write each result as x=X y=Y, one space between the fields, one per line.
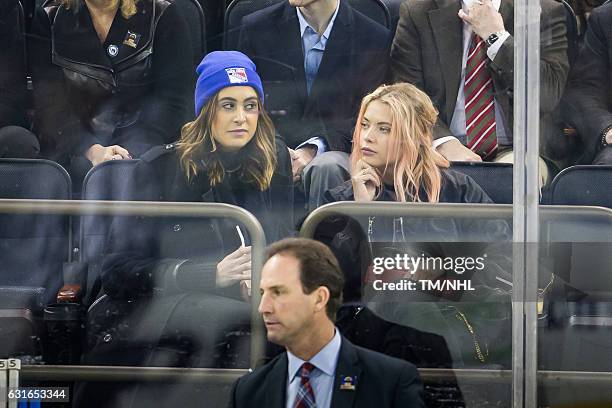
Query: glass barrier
x=158 y=297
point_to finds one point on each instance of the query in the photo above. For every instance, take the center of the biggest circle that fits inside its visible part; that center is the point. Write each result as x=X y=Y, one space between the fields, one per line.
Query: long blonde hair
x=416 y=164
x=197 y=148
x=127 y=7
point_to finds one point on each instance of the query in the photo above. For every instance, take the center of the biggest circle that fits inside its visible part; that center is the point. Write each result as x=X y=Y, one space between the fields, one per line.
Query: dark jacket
x=354 y=63
x=133 y=90
x=141 y=250
x=351 y=240
x=12 y=65
x=427 y=52
x=381 y=381
x=587 y=103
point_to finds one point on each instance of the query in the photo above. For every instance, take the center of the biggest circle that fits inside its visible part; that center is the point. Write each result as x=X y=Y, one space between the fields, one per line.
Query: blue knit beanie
x=221 y=69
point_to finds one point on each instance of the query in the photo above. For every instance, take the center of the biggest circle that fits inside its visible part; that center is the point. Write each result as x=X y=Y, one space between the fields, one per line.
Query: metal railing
x=165 y=209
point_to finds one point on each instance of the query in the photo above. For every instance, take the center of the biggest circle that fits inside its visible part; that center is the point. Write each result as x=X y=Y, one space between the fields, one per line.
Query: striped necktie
x=305 y=397
x=479 y=103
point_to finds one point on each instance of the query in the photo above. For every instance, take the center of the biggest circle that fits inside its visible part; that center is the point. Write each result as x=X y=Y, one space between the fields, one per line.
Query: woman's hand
x=365 y=181
x=234 y=267
x=97 y=153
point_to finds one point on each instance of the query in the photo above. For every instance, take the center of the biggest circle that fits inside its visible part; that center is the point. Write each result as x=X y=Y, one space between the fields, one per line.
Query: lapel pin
x=348 y=383
x=113 y=50
x=131 y=39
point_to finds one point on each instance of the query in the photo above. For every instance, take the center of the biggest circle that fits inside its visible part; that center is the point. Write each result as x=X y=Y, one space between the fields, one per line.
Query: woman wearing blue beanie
x=229 y=154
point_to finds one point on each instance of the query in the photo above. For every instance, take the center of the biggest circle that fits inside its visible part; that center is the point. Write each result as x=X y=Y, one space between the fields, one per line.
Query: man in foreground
x=301 y=291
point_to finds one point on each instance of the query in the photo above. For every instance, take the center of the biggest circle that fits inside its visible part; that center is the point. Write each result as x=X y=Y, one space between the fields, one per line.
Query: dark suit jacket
x=382 y=382
x=428 y=47
x=354 y=63
x=587 y=104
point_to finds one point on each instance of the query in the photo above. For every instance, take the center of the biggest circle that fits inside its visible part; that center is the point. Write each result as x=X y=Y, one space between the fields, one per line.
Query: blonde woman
x=112 y=78
x=392 y=157
x=393 y=160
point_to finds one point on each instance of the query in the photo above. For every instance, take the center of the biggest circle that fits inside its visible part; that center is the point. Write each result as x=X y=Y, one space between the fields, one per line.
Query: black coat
x=350 y=239
x=12 y=65
x=133 y=90
x=354 y=63
x=381 y=381
x=141 y=250
x=587 y=103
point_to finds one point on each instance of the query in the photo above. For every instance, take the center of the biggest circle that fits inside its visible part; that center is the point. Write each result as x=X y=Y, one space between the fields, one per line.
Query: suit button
x=177 y=227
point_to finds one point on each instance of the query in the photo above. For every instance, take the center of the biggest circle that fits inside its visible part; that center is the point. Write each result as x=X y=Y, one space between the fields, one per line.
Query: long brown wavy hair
x=415 y=163
x=127 y=7
x=197 y=148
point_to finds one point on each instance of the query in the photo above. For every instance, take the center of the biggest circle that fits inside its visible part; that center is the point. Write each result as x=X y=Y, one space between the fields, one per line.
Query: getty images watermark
x=404 y=272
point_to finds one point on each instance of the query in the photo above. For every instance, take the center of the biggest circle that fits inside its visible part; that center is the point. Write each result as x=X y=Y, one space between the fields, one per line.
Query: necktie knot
x=306 y=370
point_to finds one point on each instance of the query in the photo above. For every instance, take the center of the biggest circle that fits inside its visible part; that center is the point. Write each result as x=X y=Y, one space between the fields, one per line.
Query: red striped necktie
x=305 y=397
x=479 y=103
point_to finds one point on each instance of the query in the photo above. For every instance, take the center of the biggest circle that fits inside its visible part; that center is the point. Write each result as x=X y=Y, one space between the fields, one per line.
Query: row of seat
x=34 y=247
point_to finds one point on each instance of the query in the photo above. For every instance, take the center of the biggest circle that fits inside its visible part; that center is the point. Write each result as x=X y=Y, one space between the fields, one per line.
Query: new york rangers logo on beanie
x=237 y=75
x=221 y=69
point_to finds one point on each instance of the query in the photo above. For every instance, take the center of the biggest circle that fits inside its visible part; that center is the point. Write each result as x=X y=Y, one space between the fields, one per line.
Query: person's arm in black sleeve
x=282 y=189
x=58 y=128
x=585 y=104
x=166 y=109
x=409 y=391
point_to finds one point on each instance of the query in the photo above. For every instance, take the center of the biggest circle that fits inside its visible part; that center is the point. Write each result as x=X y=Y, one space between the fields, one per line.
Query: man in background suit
x=461 y=53
x=301 y=291
x=587 y=103
x=317 y=59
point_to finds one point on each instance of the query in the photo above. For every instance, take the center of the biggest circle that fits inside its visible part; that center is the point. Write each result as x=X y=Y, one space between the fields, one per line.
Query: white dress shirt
x=457 y=125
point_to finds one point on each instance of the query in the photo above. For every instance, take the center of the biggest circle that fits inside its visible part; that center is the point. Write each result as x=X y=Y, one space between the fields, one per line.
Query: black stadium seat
x=394 y=9
x=583 y=185
x=106 y=181
x=196 y=21
x=33 y=249
x=573 y=33
x=375 y=9
x=494 y=178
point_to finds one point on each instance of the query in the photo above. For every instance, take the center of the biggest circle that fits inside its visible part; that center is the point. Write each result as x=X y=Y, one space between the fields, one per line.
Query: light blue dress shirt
x=321 y=378
x=313 y=47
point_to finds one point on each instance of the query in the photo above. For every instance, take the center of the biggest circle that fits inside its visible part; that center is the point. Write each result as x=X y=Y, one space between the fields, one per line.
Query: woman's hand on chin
x=97 y=153
x=366 y=181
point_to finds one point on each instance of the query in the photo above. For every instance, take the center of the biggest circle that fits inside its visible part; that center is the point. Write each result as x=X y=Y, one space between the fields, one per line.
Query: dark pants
x=18 y=142
x=604 y=157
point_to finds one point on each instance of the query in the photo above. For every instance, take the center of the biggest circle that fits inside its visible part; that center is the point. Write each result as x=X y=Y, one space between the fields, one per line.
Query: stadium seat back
x=33 y=247
x=107 y=181
x=583 y=185
x=494 y=178
x=394 y=9
x=573 y=33
x=237 y=9
x=196 y=21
